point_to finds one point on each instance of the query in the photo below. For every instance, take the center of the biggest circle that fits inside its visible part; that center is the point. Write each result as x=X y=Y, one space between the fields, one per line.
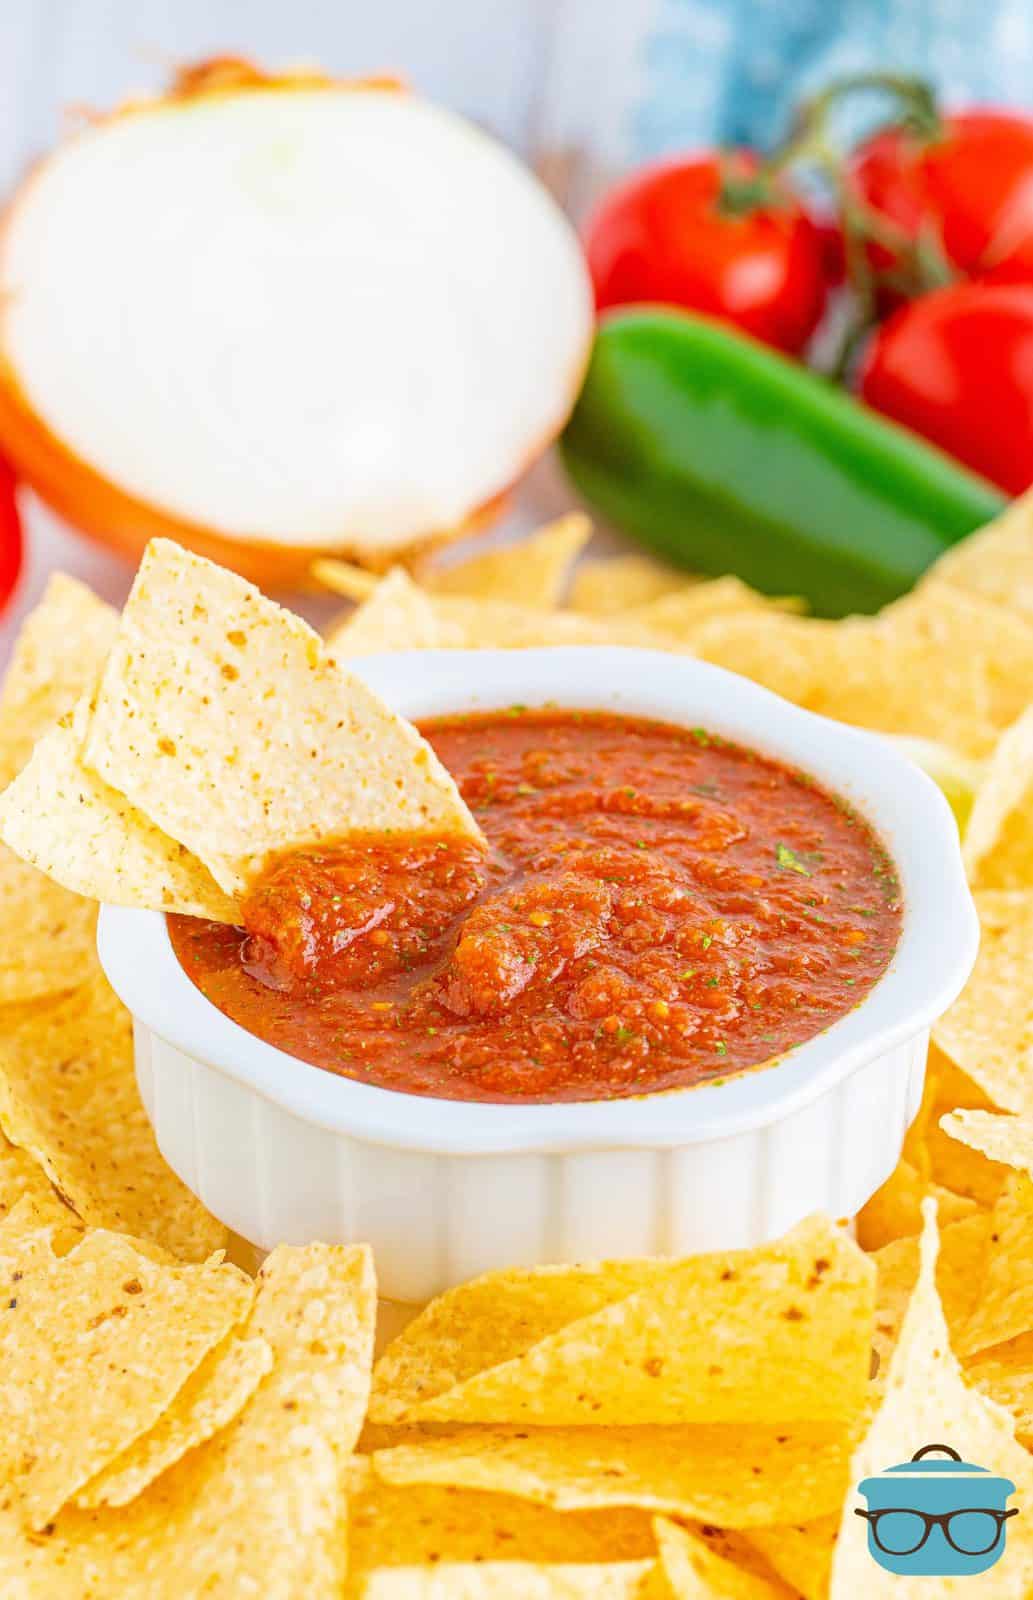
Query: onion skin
x=97 y=507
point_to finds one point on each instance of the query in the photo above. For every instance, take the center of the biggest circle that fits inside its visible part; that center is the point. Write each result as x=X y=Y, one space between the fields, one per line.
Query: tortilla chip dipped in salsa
x=221 y=731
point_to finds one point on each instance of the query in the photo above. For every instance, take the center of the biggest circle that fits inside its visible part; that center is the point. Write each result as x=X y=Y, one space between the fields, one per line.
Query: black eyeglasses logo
x=971 y=1531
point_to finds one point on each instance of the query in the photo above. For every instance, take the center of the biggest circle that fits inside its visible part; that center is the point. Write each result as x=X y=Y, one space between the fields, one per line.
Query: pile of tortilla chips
x=693 y=1429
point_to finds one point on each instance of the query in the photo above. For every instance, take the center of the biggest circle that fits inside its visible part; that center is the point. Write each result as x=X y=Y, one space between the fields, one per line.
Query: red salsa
x=659 y=907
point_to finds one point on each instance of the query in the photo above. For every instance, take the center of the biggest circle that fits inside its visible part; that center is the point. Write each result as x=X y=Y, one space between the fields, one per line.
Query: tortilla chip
x=863 y=670
x=893 y=1210
x=1003 y=1306
x=926 y=1398
x=214 y=1394
x=961 y=1171
x=20 y=1175
x=1002 y=1139
x=959 y=1269
x=47 y=936
x=617 y=583
x=532 y=572
x=954 y=1088
x=653 y=1341
x=695 y=1572
x=504 y=625
x=64 y=820
x=41 y=1220
x=978 y=656
x=800 y=1554
x=1005 y=1373
x=737 y=1476
x=988 y=1031
x=998 y=846
x=415 y=1524
x=398 y=615
x=258 y=1508
x=222 y=719
x=792 y=656
x=681 y=614
x=93 y=1347
x=512 y=1580
x=68 y=1096
x=995 y=562
x=355 y=583
x=57 y=656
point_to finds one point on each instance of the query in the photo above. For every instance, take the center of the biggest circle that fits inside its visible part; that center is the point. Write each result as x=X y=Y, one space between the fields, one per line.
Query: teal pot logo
x=936 y=1518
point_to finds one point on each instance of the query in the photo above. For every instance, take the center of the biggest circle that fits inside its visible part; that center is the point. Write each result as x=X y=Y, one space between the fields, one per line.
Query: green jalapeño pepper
x=721 y=456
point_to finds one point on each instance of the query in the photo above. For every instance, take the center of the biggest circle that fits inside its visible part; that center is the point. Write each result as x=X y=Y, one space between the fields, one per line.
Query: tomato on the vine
x=702 y=233
x=957 y=367
x=967 y=191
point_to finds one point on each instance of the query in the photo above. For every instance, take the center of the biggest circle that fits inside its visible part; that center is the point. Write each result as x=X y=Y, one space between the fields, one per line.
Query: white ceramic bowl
x=442 y=1189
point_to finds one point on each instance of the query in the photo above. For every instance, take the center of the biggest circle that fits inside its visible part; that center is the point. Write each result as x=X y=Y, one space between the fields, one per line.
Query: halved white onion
x=304 y=316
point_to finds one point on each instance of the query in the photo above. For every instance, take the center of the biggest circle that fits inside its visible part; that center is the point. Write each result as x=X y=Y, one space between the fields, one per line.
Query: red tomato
x=971 y=191
x=664 y=237
x=957 y=367
x=10 y=534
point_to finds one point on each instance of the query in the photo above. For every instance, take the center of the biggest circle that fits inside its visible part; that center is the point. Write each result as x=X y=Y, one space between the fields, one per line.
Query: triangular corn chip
x=68 y=1096
x=259 y=1508
x=532 y=572
x=660 y=1341
x=211 y=1397
x=221 y=717
x=93 y=1346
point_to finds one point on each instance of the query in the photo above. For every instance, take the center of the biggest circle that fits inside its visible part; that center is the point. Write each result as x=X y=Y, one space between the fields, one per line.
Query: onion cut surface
x=282 y=318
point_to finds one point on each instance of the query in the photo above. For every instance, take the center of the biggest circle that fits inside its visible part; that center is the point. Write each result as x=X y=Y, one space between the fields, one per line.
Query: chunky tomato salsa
x=659 y=907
